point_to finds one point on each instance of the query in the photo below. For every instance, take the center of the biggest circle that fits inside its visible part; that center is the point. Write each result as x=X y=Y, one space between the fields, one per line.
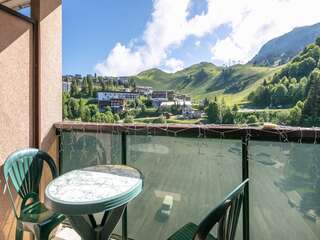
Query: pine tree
x=206 y=102
x=85 y=87
x=73 y=108
x=311 y=109
x=228 y=116
x=318 y=41
x=90 y=87
x=102 y=85
x=235 y=108
x=213 y=112
x=65 y=102
x=74 y=90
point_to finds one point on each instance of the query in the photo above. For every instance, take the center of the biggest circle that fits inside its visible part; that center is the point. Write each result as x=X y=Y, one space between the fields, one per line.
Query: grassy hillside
x=207 y=80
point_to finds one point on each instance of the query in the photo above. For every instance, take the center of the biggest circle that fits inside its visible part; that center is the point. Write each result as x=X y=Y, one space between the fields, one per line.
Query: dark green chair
x=226 y=215
x=23 y=171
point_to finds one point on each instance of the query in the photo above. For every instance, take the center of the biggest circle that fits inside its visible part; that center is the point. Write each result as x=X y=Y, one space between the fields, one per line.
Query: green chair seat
x=187 y=232
x=38 y=213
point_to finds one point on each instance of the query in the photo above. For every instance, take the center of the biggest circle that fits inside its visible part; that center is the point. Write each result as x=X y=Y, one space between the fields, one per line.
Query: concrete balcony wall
x=48 y=13
x=16 y=79
x=17 y=90
x=16 y=99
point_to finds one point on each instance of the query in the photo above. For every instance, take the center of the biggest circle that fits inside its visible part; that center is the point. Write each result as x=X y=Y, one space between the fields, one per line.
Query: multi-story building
x=78 y=76
x=116 y=105
x=122 y=80
x=66 y=86
x=144 y=90
x=185 y=106
x=115 y=100
x=161 y=96
x=183 y=97
x=106 y=96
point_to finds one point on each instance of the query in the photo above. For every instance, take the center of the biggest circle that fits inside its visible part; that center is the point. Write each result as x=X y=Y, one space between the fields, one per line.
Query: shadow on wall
x=16 y=95
x=7 y=223
x=16 y=92
x=16 y=77
x=13 y=27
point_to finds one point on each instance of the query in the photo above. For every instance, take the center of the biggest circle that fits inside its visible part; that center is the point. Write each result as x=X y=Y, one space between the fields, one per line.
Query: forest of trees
x=74 y=109
x=78 y=105
x=219 y=113
x=88 y=86
x=296 y=86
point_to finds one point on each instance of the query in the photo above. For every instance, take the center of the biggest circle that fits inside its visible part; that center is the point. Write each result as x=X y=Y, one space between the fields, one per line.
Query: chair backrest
x=23 y=169
x=226 y=215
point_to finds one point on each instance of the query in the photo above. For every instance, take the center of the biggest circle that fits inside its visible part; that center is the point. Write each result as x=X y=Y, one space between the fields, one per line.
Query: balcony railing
x=198 y=165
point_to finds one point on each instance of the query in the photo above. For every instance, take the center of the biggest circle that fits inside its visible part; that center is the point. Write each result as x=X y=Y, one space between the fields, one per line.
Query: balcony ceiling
x=15 y=4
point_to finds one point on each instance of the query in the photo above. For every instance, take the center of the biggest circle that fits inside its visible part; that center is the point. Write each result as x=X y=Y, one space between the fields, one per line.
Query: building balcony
x=198 y=165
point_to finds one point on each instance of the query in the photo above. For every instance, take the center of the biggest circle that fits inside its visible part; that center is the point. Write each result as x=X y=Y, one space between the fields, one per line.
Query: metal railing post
x=245 y=175
x=124 y=161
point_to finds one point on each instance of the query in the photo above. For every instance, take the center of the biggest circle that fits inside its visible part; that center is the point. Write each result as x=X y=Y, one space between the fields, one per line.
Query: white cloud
x=197 y=43
x=173 y=65
x=121 y=60
x=259 y=22
x=252 y=22
x=168 y=28
x=227 y=50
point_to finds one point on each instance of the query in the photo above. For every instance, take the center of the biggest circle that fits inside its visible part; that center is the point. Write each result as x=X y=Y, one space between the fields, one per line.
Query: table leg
x=87 y=227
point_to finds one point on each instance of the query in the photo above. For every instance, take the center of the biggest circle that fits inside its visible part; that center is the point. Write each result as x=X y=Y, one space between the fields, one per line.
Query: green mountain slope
x=282 y=49
x=207 y=80
x=153 y=77
x=291 y=83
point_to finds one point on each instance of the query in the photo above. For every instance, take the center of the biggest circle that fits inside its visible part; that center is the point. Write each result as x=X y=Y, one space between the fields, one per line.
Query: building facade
x=66 y=86
x=144 y=90
x=115 y=100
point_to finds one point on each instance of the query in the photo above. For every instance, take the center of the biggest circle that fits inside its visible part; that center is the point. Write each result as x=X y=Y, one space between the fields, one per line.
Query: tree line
x=88 y=86
x=295 y=86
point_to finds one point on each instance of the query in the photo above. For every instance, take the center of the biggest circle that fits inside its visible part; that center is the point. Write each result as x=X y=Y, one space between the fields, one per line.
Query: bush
x=161 y=120
x=116 y=117
x=128 y=119
x=252 y=119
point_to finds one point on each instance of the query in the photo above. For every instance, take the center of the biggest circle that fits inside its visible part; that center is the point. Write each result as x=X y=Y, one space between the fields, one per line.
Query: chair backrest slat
x=14 y=179
x=236 y=216
x=226 y=215
x=24 y=170
x=230 y=218
x=24 y=180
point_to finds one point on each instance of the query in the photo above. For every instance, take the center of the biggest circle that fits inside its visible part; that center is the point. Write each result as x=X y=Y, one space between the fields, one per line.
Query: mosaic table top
x=93 y=189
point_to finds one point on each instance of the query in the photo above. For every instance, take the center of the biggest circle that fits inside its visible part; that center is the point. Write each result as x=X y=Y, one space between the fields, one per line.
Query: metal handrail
x=278 y=133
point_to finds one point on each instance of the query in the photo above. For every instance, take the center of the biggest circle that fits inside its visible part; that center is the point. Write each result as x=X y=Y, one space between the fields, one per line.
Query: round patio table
x=79 y=194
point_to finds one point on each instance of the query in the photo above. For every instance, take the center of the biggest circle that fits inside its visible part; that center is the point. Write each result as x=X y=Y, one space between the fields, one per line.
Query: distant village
x=119 y=99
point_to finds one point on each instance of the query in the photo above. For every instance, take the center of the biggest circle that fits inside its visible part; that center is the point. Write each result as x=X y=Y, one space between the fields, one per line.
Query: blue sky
x=125 y=37
x=91 y=30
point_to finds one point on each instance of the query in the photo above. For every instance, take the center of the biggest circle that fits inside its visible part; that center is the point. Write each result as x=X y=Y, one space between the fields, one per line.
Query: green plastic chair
x=226 y=215
x=23 y=170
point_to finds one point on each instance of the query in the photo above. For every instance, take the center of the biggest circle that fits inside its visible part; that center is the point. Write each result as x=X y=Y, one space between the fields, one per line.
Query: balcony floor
x=67 y=233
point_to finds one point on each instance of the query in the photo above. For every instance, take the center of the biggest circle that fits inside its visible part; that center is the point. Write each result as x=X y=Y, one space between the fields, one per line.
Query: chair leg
x=19 y=234
x=40 y=234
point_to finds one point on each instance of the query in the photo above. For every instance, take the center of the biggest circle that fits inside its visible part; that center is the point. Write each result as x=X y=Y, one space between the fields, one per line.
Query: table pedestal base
x=88 y=228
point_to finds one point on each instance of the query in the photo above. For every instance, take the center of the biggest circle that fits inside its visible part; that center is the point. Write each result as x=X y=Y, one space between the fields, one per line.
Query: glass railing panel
x=196 y=173
x=82 y=149
x=284 y=191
